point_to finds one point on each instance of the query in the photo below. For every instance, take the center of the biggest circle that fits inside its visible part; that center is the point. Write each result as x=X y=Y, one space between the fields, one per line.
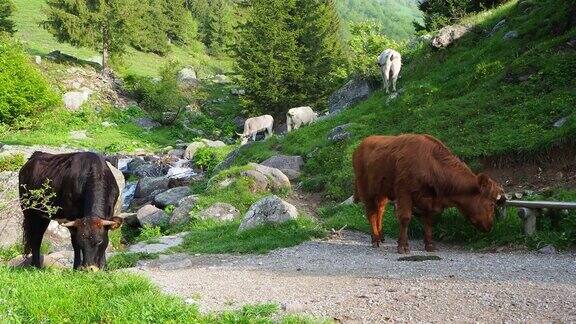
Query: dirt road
x=346 y=279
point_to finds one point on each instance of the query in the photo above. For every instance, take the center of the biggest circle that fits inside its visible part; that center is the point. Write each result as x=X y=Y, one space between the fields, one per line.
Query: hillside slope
x=485 y=97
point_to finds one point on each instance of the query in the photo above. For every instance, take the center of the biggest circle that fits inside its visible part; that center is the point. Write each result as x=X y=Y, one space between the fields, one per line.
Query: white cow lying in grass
x=390 y=63
x=257 y=124
x=299 y=116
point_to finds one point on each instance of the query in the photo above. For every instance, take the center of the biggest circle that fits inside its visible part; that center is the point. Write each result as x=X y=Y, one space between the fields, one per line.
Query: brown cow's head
x=480 y=207
x=90 y=236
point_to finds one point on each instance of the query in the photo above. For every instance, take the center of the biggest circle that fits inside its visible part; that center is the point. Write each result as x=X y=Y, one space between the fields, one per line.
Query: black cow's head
x=90 y=237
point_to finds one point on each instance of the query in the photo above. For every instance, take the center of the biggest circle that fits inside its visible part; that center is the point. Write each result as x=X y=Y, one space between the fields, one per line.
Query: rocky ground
x=345 y=279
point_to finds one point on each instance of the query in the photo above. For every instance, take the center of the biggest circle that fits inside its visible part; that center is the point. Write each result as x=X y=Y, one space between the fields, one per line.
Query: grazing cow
x=299 y=116
x=257 y=124
x=85 y=193
x=390 y=63
x=419 y=174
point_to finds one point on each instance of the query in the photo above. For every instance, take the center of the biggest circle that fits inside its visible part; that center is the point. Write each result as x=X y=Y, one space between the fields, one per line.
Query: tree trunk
x=105 y=53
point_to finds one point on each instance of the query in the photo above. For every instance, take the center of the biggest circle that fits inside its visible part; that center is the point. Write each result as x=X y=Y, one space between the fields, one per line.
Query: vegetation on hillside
x=439 y=13
x=6 y=23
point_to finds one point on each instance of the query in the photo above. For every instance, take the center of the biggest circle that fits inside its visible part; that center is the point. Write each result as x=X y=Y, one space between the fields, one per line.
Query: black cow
x=85 y=194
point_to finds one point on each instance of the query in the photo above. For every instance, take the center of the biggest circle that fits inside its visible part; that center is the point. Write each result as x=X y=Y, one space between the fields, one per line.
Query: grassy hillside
x=395 y=16
x=484 y=96
x=38 y=41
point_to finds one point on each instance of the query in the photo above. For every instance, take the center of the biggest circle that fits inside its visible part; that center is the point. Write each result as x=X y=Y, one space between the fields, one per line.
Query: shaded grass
x=209 y=236
x=61 y=296
x=128 y=260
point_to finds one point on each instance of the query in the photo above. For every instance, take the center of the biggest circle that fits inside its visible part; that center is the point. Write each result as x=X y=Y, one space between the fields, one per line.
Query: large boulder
x=73 y=100
x=146 y=186
x=10 y=213
x=150 y=169
x=448 y=35
x=171 y=196
x=220 y=211
x=259 y=181
x=269 y=210
x=276 y=179
x=353 y=91
x=181 y=213
x=339 y=133
x=289 y=165
x=192 y=149
x=119 y=177
x=187 y=77
x=152 y=216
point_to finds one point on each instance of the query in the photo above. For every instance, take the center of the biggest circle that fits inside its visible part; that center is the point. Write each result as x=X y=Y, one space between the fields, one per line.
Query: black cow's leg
x=77 y=253
x=34 y=227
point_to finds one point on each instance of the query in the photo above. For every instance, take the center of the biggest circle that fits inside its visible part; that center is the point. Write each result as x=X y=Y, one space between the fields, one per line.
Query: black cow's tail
x=26 y=235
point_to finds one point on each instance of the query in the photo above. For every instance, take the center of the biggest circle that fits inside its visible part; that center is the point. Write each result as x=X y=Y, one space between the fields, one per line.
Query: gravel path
x=349 y=281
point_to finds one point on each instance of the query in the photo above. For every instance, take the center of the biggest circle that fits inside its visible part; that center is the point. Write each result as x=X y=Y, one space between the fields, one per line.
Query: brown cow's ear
x=114 y=223
x=483 y=181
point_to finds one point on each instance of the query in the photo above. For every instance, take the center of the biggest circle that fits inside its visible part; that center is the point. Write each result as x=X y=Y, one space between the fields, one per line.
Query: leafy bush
x=6 y=10
x=148 y=233
x=11 y=162
x=23 y=90
x=207 y=158
x=163 y=99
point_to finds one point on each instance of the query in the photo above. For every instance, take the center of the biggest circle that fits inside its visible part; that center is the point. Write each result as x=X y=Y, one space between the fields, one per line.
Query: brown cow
x=420 y=174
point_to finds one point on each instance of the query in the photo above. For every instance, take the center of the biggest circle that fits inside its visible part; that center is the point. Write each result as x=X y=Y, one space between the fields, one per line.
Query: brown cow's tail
x=356 y=198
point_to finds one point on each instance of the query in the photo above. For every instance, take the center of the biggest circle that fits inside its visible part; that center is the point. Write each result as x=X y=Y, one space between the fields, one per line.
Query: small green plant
x=40 y=199
x=12 y=162
x=149 y=232
x=169 y=209
x=10 y=252
x=128 y=260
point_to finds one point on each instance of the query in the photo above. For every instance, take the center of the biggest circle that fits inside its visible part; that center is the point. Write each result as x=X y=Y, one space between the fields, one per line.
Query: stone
x=150 y=169
x=121 y=182
x=239 y=122
x=107 y=124
x=210 y=143
x=293 y=307
x=181 y=213
x=510 y=35
x=289 y=165
x=147 y=185
x=276 y=179
x=348 y=201
x=58 y=236
x=171 y=197
x=259 y=180
x=47 y=261
x=192 y=149
x=220 y=212
x=353 y=91
x=38 y=59
x=152 y=216
x=560 y=122
x=548 y=249
x=78 y=135
x=498 y=26
x=339 y=133
x=268 y=210
x=146 y=123
x=10 y=212
x=220 y=79
x=237 y=92
x=133 y=164
x=448 y=35
x=178 y=153
x=187 y=77
x=161 y=244
x=73 y=100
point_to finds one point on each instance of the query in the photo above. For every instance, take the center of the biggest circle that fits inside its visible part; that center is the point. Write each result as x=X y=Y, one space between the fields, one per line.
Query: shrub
x=439 y=13
x=11 y=162
x=149 y=233
x=162 y=99
x=23 y=90
x=207 y=158
x=6 y=10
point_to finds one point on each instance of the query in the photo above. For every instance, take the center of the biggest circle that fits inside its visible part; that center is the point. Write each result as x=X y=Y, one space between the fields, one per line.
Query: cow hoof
x=403 y=250
x=375 y=244
x=382 y=239
x=430 y=248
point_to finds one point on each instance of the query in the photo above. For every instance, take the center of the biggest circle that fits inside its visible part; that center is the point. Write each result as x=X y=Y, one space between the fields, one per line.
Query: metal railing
x=529 y=211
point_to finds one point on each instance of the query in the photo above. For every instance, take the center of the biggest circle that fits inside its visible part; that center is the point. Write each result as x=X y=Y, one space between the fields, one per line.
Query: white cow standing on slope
x=390 y=63
x=257 y=124
x=299 y=116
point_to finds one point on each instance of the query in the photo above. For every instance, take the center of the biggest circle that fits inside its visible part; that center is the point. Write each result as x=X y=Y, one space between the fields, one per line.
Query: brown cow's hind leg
x=381 y=209
x=403 y=214
x=372 y=214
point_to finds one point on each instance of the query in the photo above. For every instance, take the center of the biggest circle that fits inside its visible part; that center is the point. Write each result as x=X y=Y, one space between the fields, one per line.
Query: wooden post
x=528 y=217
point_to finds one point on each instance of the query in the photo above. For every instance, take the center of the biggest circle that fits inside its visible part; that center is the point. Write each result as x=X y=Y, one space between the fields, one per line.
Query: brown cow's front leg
x=403 y=214
x=428 y=221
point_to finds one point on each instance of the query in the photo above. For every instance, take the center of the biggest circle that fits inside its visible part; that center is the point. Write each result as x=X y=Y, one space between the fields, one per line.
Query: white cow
x=257 y=124
x=390 y=63
x=299 y=116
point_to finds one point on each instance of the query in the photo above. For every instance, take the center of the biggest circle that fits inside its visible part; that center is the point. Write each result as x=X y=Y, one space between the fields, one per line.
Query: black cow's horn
x=106 y=222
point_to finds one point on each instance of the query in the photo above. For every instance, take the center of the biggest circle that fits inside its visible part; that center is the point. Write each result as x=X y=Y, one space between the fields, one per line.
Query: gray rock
x=239 y=122
x=150 y=169
x=510 y=35
x=269 y=210
x=147 y=185
x=548 y=249
x=339 y=133
x=152 y=216
x=192 y=149
x=73 y=100
x=497 y=27
x=133 y=164
x=119 y=177
x=220 y=212
x=178 y=153
x=38 y=59
x=259 y=180
x=107 y=124
x=48 y=261
x=448 y=35
x=289 y=165
x=348 y=201
x=560 y=122
x=146 y=123
x=171 y=196
x=187 y=77
x=78 y=135
x=353 y=91
x=220 y=79
x=276 y=179
x=210 y=143
x=163 y=244
x=181 y=213
x=10 y=212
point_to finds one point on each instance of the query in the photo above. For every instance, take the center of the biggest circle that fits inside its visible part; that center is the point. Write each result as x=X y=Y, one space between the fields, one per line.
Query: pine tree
x=219 y=27
x=148 y=32
x=6 y=23
x=103 y=25
x=268 y=57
